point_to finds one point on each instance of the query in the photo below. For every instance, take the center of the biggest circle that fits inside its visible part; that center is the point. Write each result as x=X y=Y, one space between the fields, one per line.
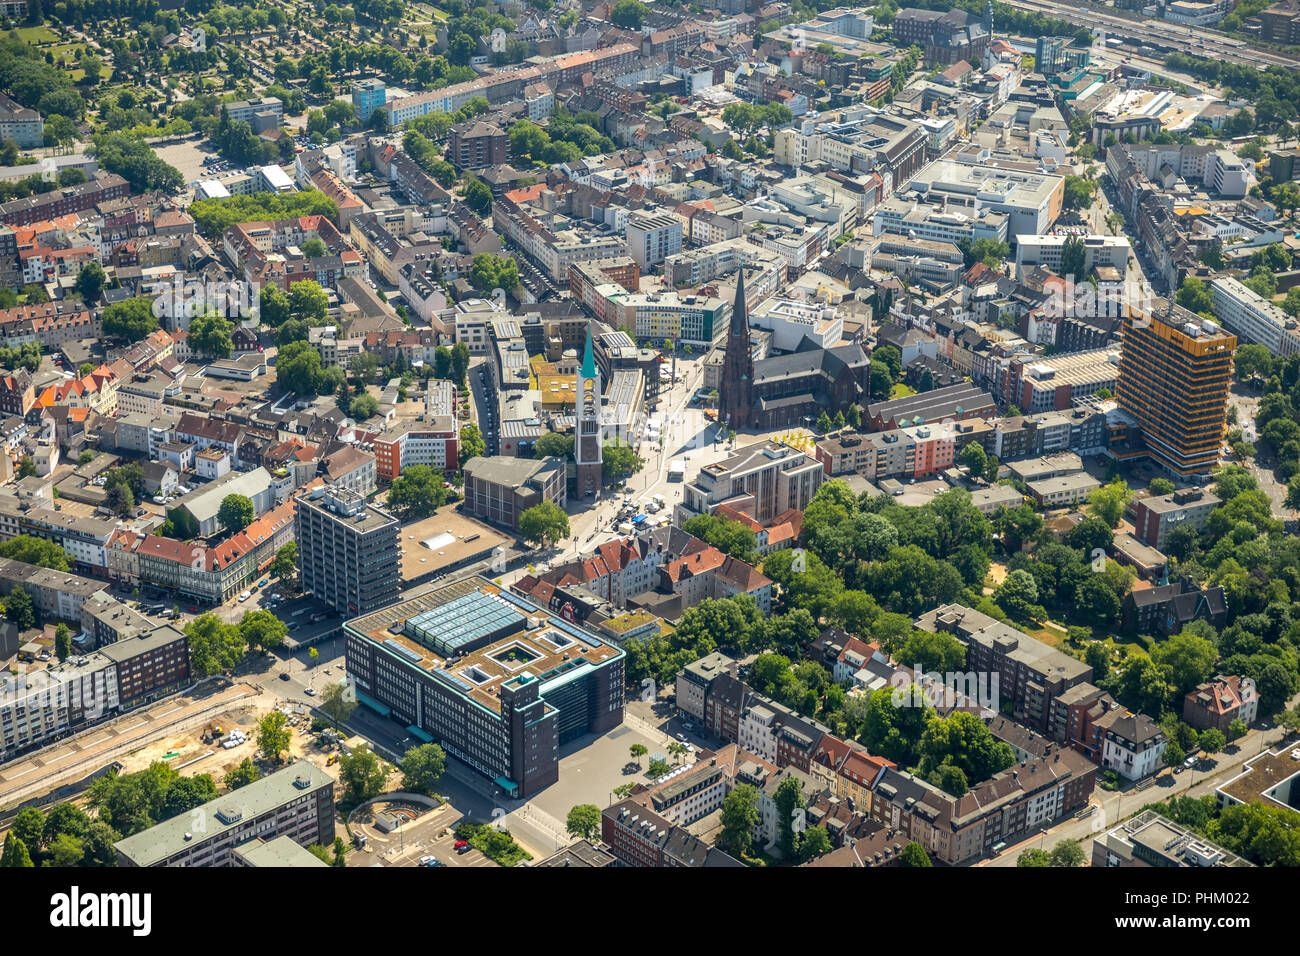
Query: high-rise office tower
x=347 y=551
x=1175 y=368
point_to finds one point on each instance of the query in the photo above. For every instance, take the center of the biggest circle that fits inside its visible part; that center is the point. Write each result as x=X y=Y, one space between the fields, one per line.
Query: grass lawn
x=901 y=391
x=1049 y=634
x=33 y=35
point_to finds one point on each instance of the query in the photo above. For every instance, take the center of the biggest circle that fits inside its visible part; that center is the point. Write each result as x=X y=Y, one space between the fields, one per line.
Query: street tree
x=583 y=822
x=422 y=766
x=544 y=524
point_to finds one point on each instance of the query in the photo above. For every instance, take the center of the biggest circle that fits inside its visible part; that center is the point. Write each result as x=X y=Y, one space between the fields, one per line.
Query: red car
x=461 y=846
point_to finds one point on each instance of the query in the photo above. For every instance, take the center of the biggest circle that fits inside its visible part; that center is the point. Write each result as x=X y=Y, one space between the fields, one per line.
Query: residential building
x=1133 y=744
x=1155 y=518
x=296 y=802
x=1219 y=701
x=1030 y=673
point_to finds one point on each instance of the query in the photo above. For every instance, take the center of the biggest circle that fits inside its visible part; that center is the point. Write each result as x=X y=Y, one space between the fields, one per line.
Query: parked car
x=284 y=675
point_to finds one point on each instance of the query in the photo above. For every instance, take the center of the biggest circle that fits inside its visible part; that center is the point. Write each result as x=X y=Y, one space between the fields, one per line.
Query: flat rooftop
x=475 y=636
x=1258 y=783
x=443 y=540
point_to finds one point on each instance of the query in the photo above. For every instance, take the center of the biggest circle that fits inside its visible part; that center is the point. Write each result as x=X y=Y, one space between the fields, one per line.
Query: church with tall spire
x=587 y=452
x=736 y=391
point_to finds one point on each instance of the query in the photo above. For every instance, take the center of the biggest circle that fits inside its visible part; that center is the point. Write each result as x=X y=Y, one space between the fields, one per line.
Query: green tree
x=1213 y=741
x=15 y=853
x=975 y=459
x=62 y=642
x=131 y=319
x=236 y=512
x=619 y=461
x=1074 y=258
x=285 y=564
x=65 y=850
x=729 y=537
x=362 y=774
x=1108 y=502
x=19 y=609
x=553 y=445
x=1068 y=853
x=337 y=702
x=472 y=443
x=209 y=335
x=1034 y=857
x=363 y=407
x=262 y=629
x=90 y=282
x=815 y=843
x=119 y=500
x=418 y=492
x=37 y=551
x=215 y=646
x=273 y=735
x=739 y=817
x=544 y=524
x=1018 y=595
x=242 y=774
x=1190 y=659
x=583 y=822
x=421 y=767
x=1195 y=297
x=892 y=730
x=914 y=855
x=637 y=751
x=629 y=13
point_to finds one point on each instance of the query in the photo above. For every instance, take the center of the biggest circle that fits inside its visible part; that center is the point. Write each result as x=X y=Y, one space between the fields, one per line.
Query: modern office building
x=1098 y=251
x=1175 y=368
x=296 y=802
x=1150 y=839
x=347 y=550
x=494 y=679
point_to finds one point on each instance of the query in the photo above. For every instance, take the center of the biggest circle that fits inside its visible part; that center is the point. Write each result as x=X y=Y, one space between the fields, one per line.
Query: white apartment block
x=1252 y=318
x=1098 y=251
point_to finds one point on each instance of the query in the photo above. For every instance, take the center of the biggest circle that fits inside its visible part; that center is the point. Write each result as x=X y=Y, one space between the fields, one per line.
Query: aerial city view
x=593 y=433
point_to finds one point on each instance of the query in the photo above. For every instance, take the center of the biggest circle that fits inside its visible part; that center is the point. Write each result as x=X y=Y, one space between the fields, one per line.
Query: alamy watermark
x=181 y=298
x=920 y=688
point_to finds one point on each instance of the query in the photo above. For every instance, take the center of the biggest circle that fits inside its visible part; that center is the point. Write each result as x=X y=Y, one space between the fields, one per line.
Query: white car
x=310 y=691
x=244 y=595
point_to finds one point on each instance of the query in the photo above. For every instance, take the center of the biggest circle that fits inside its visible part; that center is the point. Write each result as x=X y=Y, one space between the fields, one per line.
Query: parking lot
x=430 y=835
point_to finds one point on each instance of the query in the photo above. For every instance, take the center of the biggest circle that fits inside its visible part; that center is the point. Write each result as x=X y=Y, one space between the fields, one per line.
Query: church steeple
x=588 y=359
x=587 y=450
x=736 y=393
